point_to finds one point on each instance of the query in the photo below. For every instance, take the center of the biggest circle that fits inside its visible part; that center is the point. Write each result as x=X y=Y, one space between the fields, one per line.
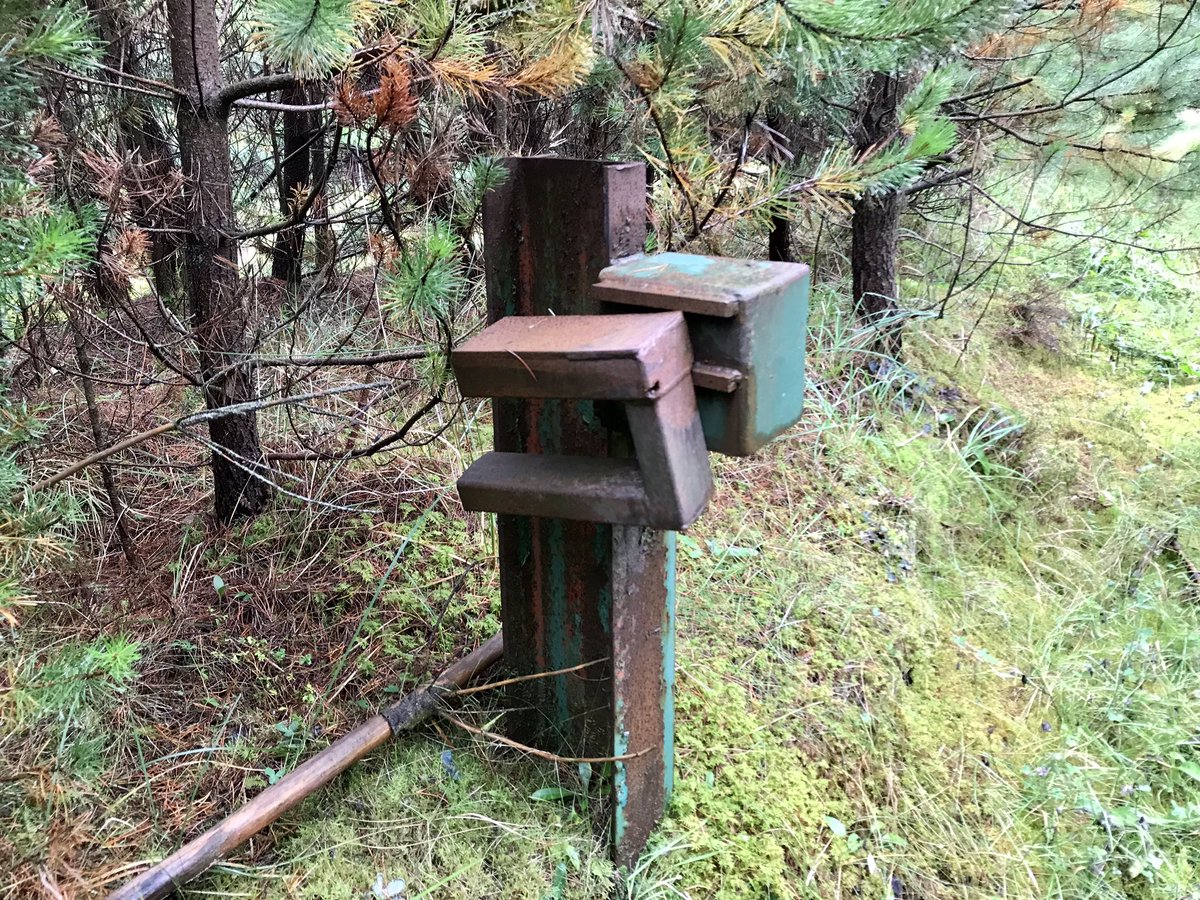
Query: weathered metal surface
x=645 y=357
x=624 y=357
x=716 y=378
x=590 y=489
x=643 y=710
x=705 y=285
x=549 y=230
x=669 y=442
x=744 y=315
x=667 y=495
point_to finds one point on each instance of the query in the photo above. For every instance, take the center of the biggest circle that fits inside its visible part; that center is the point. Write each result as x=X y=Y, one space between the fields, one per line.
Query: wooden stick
x=193 y=858
x=540 y=754
x=492 y=685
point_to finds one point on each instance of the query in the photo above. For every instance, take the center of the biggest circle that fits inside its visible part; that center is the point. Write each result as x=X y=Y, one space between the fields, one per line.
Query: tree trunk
x=324 y=243
x=875 y=226
x=779 y=240
x=874 y=239
x=287 y=256
x=140 y=131
x=116 y=500
x=218 y=315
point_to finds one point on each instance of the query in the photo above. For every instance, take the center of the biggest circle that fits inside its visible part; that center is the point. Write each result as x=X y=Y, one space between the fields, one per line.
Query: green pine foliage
x=882 y=35
x=40 y=241
x=35 y=528
x=312 y=37
x=38 y=238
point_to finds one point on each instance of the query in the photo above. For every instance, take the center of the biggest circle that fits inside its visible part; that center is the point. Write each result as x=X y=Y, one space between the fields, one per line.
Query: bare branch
x=262 y=84
x=348 y=359
x=185 y=422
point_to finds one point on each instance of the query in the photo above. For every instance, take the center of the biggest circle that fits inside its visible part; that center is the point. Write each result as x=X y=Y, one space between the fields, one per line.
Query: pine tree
x=41 y=241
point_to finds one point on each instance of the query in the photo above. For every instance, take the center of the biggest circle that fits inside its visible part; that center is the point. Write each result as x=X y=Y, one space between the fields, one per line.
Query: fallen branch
x=534 y=751
x=344 y=359
x=193 y=858
x=492 y=685
x=185 y=422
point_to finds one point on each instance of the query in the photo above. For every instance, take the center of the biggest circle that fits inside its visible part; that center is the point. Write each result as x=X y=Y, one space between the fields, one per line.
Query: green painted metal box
x=747 y=321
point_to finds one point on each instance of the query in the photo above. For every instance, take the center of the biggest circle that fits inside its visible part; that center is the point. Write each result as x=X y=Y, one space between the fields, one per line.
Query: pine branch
x=945 y=178
x=300 y=214
x=381 y=444
x=261 y=84
x=733 y=172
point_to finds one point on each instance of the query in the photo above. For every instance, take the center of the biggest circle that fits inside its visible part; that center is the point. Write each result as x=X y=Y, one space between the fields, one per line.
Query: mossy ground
x=939 y=641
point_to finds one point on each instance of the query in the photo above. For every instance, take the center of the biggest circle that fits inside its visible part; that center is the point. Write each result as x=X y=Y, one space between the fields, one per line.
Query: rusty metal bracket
x=574 y=591
x=643 y=360
x=604 y=405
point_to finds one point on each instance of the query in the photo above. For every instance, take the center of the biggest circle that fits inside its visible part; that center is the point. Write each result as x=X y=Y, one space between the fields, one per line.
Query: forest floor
x=939 y=641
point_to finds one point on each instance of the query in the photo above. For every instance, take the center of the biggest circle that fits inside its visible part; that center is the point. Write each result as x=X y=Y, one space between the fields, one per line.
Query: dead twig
x=491 y=686
x=185 y=422
x=534 y=751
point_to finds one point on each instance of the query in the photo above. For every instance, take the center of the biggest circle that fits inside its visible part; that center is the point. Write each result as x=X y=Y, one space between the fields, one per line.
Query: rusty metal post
x=573 y=592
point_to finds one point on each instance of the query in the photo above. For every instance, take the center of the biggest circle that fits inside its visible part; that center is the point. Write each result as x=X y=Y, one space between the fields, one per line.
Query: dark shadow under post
x=573 y=592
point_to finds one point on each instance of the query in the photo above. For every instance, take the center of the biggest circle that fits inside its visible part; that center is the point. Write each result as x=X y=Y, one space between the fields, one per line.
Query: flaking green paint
x=587 y=411
x=549 y=426
x=559 y=651
x=668 y=664
x=620 y=747
x=601 y=550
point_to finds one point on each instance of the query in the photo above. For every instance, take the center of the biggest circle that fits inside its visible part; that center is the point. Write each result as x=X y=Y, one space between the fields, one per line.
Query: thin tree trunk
x=875 y=225
x=140 y=131
x=779 y=238
x=324 y=243
x=115 y=499
x=218 y=315
x=295 y=175
x=874 y=240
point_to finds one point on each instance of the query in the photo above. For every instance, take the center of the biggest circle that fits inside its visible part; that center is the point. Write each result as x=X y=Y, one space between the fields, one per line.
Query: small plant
x=645 y=882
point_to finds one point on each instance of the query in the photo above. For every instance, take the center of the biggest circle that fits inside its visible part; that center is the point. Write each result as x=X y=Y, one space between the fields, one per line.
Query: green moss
x=939 y=643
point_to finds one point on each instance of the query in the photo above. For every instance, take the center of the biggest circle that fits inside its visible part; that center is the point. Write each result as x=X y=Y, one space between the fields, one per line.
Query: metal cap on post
x=747 y=320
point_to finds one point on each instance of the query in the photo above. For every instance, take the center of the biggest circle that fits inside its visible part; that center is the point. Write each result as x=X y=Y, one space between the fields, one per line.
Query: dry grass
x=255 y=639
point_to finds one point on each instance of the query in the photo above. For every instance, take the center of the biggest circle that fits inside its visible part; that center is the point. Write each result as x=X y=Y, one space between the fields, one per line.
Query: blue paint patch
x=587 y=412
x=691 y=265
x=550 y=426
x=558 y=653
x=665 y=264
x=620 y=785
x=601 y=549
x=449 y=766
x=604 y=609
x=668 y=664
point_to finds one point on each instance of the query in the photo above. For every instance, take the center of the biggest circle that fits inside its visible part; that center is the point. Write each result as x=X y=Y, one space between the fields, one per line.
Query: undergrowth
x=936 y=643
x=939 y=641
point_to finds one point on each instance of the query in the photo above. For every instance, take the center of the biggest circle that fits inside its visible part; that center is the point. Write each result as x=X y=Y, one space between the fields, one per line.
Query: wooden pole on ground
x=193 y=858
